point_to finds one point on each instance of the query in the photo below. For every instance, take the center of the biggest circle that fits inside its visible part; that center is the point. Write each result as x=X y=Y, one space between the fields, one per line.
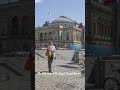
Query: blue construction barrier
x=99 y=50
x=74 y=46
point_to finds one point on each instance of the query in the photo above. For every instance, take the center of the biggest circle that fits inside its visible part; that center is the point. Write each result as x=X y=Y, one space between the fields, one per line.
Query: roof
x=62 y=19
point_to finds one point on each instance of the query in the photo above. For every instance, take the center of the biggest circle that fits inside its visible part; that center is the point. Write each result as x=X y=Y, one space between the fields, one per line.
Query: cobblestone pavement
x=58 y=80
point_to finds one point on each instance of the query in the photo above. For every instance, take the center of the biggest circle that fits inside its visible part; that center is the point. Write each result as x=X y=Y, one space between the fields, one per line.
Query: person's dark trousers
x=50 y=59
x=32 y=76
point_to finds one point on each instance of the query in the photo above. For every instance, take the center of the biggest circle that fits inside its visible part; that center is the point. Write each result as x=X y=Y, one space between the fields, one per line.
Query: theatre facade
x=102 y=32
x=63 y=31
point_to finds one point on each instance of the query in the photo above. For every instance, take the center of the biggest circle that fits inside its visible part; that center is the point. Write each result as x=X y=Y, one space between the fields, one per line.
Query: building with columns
x=16 y=34
x=102 y=26
x=99 y=23
x=62 y=31
x=16 y=25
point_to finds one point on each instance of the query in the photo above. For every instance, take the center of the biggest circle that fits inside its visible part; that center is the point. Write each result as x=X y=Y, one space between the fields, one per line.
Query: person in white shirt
x=52 y=48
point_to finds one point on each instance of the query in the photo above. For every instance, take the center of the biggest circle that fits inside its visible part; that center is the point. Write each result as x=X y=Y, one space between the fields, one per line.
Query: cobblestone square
x=66 y=75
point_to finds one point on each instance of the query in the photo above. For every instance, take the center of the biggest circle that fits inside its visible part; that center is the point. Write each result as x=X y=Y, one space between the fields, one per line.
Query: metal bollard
x=77 y=56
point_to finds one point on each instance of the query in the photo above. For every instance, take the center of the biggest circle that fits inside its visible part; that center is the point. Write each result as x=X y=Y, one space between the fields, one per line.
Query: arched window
x=50 y=35
x=102 y=29
x=41 y=36
x=67 y=36
x=45 y=36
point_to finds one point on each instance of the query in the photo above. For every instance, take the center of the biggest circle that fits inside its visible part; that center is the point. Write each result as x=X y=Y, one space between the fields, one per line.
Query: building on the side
x=63 y=31
x=101 y=27
x=16 y=25
x=99 y=23
x=102 y=39
x=16 y=34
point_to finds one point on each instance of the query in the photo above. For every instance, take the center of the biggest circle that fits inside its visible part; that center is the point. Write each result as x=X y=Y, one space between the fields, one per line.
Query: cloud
x=39 y=1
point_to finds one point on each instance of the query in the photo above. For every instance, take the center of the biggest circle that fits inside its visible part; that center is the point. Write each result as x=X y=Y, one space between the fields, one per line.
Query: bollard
x=77 y=56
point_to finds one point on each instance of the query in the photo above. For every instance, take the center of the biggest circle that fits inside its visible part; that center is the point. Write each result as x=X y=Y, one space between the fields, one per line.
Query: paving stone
x=49 y=82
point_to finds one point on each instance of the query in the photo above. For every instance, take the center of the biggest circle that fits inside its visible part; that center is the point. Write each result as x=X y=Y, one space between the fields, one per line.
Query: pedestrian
x=51 y=54
x=30 y=66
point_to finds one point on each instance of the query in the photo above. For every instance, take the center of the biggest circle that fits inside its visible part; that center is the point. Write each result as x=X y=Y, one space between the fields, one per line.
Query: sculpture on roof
x=46 y=23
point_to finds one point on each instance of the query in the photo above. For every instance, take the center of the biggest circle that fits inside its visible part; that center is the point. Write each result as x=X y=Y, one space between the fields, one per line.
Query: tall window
x=56 y=38
x=50 y=35
x=98 y=29
x=102 y=29
x=67 y=36
x=3 y=30
x=105 y=30
x=110 y=31
x=45 y=36
x=94 y=28
x=36 y=38
x=41 y=36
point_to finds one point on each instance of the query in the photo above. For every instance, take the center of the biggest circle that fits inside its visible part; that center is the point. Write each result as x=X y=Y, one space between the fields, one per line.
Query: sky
x=49 y=10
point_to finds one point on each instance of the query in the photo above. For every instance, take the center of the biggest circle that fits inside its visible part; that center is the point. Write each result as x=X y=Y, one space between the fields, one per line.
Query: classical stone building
x=102 y=37
x=102 y=27
x=16 y=34
x=99 y=23
x=16 y=25
x=62 y=31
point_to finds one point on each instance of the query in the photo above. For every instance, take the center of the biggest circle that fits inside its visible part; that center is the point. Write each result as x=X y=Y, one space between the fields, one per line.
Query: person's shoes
x=50 y=72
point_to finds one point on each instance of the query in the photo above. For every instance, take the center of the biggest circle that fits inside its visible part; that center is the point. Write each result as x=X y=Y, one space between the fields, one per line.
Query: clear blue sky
x=73 y=9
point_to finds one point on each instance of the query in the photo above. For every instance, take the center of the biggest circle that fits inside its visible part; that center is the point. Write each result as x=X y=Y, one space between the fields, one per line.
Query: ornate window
x=45 y=36
x=94 y=28
x=41 y=36
x=50 y=35
x=67 y=36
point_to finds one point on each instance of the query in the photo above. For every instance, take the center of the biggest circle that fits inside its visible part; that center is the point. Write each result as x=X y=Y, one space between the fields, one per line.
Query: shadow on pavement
x=66 y=66
x=72 y=63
